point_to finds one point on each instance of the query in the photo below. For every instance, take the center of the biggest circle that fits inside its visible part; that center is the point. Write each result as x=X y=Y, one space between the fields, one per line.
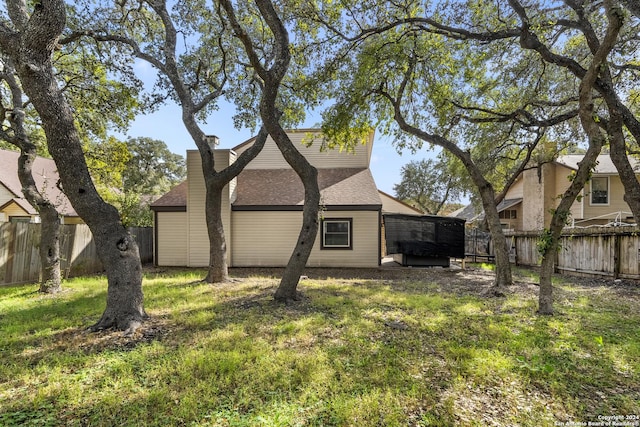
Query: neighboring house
x=530 y=200
x=262 y=209
x=14 y=207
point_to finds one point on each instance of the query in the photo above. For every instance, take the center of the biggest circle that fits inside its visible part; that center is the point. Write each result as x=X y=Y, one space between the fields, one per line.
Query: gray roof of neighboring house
x=282 y=187
x=604 y=166
x=45 y=174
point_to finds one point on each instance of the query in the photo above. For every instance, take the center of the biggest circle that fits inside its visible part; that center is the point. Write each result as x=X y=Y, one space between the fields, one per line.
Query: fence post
x=617 y=247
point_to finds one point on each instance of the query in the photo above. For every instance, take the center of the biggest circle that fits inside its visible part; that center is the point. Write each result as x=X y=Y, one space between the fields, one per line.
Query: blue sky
x=166 y=125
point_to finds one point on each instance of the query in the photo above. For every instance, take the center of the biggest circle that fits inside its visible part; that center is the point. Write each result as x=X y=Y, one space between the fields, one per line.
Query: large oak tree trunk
x=545 y=295
x=49 y=250
x=550 y=242
x=31 y=50
x=50 y=276
x=503 y=278
x=287 y=290
x=218 y=269
x=215 y=182
x=270 y=114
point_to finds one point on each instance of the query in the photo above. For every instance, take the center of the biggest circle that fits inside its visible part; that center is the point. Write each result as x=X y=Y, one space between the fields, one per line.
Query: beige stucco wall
x=267 y=238
x=198 y=237
x=271 y=158
x=550 y=200
x=562 y=182
x=516 y=190
x=532 y=201
x=172 y=239
x=616 y=201
x=535 y=208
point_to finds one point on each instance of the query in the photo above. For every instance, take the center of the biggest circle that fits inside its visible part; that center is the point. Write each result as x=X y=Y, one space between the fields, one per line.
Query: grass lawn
x=421 y=347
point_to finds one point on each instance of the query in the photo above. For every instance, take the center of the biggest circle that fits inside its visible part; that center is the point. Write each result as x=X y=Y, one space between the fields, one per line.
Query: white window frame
x=348 y=221
x=591 y=202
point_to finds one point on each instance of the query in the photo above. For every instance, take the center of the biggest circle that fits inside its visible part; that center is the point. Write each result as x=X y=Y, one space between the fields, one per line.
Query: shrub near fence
x=611 y=251
x=20 y=260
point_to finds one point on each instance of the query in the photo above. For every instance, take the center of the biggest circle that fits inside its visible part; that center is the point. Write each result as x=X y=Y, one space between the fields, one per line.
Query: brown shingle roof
x=282 y=187
x=177 y=197
x=45 y=174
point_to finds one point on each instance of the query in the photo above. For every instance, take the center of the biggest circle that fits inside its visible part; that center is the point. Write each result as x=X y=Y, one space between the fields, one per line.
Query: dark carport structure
x=424 y=240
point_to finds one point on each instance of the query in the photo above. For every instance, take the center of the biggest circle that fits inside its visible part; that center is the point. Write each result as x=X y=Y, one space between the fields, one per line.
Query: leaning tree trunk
x=551 y=238
x=31 y=50
x=308 y=174
x=50 y=277
x=270 y=114
x=503 y=277
x=287 y=290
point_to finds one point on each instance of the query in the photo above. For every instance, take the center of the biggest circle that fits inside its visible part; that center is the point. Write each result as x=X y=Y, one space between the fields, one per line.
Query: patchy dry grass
x=364 y=347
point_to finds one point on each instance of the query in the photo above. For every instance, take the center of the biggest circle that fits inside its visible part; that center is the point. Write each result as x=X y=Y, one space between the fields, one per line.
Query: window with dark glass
x=336 y=233
x=600 y=190
x=508 y=214
x=19 y=219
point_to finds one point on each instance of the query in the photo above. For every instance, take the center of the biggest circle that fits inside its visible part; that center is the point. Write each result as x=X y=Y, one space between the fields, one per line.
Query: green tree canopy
x=428 y=185
x=151 y=169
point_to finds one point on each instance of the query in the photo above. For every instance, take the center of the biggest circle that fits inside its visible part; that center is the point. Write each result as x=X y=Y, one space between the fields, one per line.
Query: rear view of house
x=262 y=209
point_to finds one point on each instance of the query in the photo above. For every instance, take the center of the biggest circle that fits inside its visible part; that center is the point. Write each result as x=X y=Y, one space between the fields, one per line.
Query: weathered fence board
x=144 y=239
x=20 y=259
x=598 y=251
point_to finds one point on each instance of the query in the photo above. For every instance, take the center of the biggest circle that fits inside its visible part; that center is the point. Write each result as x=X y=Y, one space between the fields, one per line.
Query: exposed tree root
x=126 y=322
x=288 y=299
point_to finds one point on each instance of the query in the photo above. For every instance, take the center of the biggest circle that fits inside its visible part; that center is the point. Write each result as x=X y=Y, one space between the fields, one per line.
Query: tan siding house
x=173 y=234
x=537 y=192
x=262 y=209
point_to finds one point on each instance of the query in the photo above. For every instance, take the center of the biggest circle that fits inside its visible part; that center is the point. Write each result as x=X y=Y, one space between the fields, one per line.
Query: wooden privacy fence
x=20 y=260
x=611 y=251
